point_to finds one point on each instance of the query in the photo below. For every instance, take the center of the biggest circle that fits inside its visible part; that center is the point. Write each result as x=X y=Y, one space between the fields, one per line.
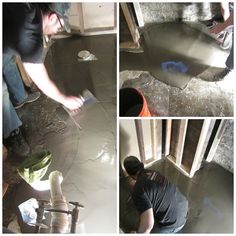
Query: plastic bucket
x=133 y=103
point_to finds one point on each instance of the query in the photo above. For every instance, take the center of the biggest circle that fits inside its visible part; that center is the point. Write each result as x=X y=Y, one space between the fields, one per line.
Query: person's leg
x=13 y=80
x=11 y=120
x=229 y=63
x=12 y=136
x=16 y=88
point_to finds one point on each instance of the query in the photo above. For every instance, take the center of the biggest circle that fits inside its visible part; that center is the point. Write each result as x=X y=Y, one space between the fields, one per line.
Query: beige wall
x=147 y=139
x=128 y=140
x=94 y=15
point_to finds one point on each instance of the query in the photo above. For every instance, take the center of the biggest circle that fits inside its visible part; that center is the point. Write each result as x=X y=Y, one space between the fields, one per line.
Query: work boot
x=17 y=144
x=31 y=98
x=220 y=76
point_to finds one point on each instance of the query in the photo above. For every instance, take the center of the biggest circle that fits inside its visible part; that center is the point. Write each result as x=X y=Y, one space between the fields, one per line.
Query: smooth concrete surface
x=171 y=92
x=209 y=192
x=188 y=43
x=86 y=157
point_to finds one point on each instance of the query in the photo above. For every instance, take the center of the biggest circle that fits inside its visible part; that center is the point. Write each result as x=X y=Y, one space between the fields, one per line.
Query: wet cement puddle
x=175 y=52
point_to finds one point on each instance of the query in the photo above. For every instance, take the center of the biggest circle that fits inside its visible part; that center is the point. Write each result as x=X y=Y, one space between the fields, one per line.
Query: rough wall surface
x=162 y=12
x=225 y=154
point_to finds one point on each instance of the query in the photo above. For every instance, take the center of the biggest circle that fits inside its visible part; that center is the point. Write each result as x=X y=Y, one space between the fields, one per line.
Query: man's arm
x=39 y=75
x=146 y=222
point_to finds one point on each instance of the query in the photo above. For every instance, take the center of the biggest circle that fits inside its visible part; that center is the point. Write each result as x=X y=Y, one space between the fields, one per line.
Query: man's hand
x=72 y=103
x=39 y=75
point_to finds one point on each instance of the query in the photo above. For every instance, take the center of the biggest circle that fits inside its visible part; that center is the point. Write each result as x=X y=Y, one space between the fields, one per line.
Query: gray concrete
x=224 y=155
x=209 y=192
x=162 y=12
x=87 y=157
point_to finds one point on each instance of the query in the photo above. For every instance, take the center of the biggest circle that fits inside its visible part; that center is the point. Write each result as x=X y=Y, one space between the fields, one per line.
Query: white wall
x=98 y=15
x=94 y=15
x=147 y=139
x=128 y=140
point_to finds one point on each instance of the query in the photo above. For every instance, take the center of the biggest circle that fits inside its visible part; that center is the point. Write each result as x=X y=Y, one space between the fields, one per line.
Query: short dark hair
x=133 y=165
x=44 y=7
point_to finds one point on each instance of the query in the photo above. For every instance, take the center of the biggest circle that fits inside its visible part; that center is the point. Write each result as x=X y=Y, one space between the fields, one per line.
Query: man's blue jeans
x=13 y=92
x=13 y=79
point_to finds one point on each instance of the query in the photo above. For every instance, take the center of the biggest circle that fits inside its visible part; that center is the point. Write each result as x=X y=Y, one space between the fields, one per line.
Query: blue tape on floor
x=172 y=66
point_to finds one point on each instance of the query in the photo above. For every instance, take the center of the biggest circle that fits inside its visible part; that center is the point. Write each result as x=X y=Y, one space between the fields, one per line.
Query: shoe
x=17 y=144
x=31 y=98
x=220 y=76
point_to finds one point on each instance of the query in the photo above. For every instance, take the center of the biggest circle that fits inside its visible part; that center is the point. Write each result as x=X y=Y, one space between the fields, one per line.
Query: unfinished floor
x=87 y=157
x=171 y=93
x=209 y=192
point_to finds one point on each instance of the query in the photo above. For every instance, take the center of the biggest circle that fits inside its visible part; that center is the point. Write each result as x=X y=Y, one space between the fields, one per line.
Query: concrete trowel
x=88 y=100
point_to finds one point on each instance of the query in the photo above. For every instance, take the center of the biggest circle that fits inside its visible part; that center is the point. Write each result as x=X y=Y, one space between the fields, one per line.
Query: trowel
x=88 y=100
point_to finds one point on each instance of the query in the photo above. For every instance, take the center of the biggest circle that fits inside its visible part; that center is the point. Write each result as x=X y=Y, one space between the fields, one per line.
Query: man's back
x=152 y=190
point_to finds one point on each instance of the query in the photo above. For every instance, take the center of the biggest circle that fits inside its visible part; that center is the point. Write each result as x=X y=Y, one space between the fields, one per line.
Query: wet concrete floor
x=165 y=44
x=175 y=54
x=209 y=192
x=87 y=157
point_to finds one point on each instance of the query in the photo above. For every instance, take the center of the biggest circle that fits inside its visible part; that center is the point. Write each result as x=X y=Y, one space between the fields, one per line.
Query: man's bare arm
x=39 y=75
x=146 y=222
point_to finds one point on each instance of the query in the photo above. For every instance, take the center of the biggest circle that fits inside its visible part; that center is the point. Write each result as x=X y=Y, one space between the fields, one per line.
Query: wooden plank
x=210 y=129
x=216 y=141
x=156 y=135
x=128 y=45
x=201 y=143
x=81 y=17
x=154 y=138
x=131 y=23
x=158 y=139
x=181 y=141
x=25 y=77
x=115 y=15
x=173 y=160
x=139 y=14
x=139 y=132
x=168 y=136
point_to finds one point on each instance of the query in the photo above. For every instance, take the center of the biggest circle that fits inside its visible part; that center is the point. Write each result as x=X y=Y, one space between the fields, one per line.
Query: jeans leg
x=10 y=118
x=230 y=60
x=13 y=80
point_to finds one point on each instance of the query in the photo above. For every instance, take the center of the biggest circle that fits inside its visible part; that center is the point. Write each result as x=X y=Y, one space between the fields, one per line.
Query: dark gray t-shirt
x=152 y=190
x=22 y=31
